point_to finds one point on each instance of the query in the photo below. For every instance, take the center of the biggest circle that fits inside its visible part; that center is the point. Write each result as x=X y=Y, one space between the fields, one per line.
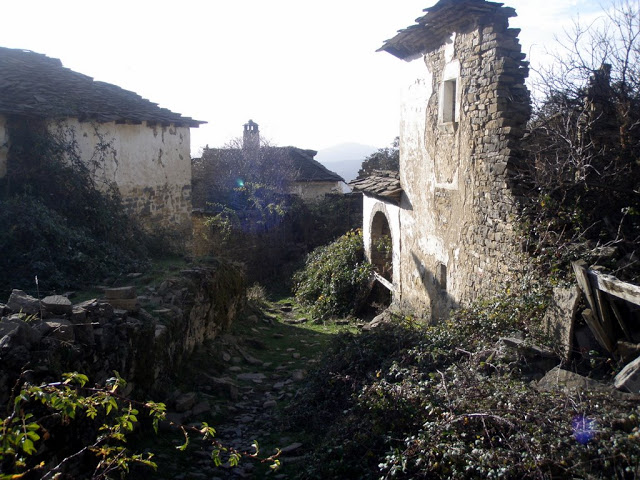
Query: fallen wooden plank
x=383 y=281
x=611 y=285
x=582 y=276
x=620 y=318
x=597 y=330
x=604 y=312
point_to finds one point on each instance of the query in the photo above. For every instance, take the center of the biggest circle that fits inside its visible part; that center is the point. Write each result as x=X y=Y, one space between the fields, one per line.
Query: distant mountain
x=345 y=159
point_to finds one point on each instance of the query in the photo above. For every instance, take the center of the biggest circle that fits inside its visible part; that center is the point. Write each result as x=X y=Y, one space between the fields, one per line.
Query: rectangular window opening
x=449 y=101
x=441 y=276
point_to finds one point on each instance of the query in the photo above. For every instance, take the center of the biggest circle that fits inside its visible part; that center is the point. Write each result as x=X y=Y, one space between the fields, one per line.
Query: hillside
x=345 y=159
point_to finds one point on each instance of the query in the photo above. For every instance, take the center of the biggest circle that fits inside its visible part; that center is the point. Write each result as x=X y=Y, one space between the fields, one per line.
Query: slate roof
x=306 y=167
x=300 y=162
x=382 y=184
x=441 y=20
x=34 y=85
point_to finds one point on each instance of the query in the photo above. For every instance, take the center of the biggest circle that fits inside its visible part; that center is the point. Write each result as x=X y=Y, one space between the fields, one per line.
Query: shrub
x=335 y=278
x=57 y=224
x=446 y=401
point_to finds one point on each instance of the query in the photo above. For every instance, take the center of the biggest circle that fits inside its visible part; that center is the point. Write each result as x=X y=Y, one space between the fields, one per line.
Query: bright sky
x=307 y=72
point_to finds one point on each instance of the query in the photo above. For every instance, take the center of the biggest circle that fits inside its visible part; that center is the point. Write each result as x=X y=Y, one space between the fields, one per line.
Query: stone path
x=242 y=400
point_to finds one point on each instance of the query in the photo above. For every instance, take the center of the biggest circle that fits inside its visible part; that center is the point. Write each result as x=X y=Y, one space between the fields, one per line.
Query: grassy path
x=242 y=383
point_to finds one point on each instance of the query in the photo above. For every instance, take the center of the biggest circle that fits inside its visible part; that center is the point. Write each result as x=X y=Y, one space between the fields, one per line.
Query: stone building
x=450 y=213
x=123 y=138
x=291 y=170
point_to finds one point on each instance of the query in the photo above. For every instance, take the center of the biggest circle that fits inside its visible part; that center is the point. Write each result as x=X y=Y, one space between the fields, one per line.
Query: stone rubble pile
x=41 y=339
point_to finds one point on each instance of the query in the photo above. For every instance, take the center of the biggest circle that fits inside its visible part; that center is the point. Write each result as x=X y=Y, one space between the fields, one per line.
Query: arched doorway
x=382 y=246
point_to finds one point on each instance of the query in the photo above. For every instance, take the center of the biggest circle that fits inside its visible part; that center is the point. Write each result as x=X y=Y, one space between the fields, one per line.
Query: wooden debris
x=597 y=330
x=383 y=281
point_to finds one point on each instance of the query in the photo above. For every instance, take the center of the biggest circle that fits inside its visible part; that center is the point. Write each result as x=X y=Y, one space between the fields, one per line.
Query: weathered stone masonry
x=460 y=127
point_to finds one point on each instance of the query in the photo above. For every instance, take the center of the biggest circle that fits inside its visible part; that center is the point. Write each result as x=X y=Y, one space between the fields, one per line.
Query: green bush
x=446 y=401
x=57 y=224
x=335 y=278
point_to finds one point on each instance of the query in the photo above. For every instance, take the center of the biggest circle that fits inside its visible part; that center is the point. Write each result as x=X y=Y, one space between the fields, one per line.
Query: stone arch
x=381 y=244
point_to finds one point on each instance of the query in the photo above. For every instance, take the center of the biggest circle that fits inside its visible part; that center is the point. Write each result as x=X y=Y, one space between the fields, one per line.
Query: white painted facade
x=315 y=191
x=150 y=164
x=371 y=206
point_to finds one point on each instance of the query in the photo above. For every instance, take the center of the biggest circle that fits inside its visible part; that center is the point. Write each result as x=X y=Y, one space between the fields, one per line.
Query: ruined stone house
x=291 y=170
x=449 y=214
x=123 y=138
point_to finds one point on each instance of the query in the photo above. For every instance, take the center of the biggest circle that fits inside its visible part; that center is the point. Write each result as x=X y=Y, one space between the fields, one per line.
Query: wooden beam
x=383 y=281
x=620 y=318
x=611 y=285
x=604 y=312
x=582 y=276
x=597 y=330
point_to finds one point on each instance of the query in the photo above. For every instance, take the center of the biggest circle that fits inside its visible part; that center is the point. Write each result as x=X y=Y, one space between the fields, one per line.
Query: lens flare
x=584 y=429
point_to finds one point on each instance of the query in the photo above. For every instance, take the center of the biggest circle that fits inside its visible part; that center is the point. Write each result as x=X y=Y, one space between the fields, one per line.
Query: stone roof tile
x=302 y=165
x=33 y=84
x=381 y=183
x=440 y=21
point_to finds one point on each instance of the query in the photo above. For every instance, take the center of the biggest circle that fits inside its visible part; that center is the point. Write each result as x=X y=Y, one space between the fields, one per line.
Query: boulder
x=57 y=304
x=560 y=379
x=200 y=408
x=125 y=304
x=185 y=401
x=381 y=319
x=120 y=293
x=18 y=332
x=88 y=305
x=59 y=328
x=559 y=319
x=223 y=385
x=78 y=315
x=20 y=301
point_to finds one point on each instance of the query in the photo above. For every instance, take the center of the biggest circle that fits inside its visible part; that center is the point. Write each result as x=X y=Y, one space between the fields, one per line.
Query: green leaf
x=28 y=447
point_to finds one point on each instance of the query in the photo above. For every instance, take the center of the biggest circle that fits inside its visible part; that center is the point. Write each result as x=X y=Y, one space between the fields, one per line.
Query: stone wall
x=461 y=122
x=145 y=344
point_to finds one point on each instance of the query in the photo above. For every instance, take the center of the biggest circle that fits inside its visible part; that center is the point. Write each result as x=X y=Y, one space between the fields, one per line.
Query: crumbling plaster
x=456 y=238
x=314 y=191
x=150 y=164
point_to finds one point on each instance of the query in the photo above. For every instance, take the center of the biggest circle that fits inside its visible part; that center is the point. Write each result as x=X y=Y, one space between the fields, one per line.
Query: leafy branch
x=37 y=409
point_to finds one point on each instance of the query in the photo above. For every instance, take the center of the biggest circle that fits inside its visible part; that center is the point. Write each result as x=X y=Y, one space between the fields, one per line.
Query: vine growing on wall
x=59 y=225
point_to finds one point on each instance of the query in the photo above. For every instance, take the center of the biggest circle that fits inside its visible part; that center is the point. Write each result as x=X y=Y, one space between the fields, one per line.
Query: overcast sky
x=307 y=72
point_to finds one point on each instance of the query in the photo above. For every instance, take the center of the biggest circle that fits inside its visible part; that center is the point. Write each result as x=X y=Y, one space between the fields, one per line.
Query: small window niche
x=449 y=101
x=441 y=277
x=449 y=97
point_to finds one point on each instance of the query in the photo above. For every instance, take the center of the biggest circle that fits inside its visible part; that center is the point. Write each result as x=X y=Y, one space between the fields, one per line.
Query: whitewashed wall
x=151 y=166
x=314 y=191
x=370 y=207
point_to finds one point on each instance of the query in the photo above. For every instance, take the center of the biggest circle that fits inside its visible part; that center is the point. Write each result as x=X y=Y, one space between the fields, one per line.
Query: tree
x=582 y=172
x=387 y=158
